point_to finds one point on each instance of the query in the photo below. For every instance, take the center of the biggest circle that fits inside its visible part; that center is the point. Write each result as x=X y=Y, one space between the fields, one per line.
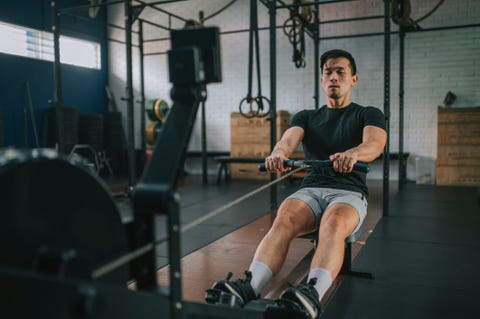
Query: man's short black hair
x=337 y=53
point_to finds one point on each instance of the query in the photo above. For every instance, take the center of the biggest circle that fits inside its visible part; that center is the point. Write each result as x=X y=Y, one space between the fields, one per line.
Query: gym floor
x=424 y=255
x=227 y=242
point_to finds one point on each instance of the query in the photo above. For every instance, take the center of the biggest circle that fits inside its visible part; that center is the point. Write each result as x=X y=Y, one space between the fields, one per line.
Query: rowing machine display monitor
x=195 y=56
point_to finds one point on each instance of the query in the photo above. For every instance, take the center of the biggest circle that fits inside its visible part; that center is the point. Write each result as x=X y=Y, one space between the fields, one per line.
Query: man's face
x=337 y=79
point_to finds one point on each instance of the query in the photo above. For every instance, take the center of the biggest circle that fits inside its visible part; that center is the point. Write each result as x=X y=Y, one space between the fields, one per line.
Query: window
x=37 y=44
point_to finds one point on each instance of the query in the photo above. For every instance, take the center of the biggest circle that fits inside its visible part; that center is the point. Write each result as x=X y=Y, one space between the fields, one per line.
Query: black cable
x=139 y=251
x=219 y=11
x=431 y=11
x=403 y=18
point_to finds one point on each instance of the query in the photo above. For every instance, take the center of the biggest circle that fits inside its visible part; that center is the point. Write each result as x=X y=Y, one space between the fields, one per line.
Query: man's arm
x=283 y=149
x=373 y=142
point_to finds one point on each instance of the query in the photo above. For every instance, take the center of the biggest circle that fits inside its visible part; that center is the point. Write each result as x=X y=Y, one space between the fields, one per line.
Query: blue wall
x=81 y=87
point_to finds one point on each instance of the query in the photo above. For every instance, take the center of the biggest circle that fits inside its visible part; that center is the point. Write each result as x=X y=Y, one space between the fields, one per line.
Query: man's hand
x=274 y=162
x=374 y=139
x=344 y=162
x=284 y=148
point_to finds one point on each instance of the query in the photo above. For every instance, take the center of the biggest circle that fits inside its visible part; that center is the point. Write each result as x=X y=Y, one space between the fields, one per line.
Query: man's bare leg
x=294 y=218
x=338 y=222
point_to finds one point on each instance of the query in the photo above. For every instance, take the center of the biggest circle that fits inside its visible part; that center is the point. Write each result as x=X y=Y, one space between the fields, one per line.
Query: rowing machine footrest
x=278 y=309
x=220 y=297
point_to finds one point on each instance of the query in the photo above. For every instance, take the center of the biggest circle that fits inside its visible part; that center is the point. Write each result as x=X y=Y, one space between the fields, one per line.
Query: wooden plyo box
x=250 y=137
x=458 y=147
x=458 y=155
x=458 y=175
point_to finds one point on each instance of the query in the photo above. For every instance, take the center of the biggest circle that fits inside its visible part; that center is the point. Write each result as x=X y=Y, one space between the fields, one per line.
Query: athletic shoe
x=306 y=296
x=240 y=288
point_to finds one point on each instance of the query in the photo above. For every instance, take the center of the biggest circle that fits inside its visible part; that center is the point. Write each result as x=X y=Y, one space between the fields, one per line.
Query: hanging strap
x=293 y=28
x=254 y=41
x=298 y=37
x=252 y=33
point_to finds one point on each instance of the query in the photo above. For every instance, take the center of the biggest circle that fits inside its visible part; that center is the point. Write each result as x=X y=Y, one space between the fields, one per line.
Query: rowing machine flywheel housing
x=53 y=206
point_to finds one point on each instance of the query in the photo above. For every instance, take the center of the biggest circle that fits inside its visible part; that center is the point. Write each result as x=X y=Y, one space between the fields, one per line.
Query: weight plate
x=151 y=132
x=157 y=110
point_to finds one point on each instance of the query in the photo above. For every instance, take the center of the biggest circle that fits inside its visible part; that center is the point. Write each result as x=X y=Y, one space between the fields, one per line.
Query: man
x=331 y=200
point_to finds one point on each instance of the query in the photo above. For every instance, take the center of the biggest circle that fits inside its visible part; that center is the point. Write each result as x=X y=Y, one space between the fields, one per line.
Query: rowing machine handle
x=286 y=163
x=359 y=167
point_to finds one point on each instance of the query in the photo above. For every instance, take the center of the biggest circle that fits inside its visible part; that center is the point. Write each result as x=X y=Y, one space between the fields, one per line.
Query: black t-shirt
x=328 y=131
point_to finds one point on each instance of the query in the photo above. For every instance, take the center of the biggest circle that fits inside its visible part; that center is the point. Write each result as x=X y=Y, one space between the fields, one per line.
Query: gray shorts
x=320 y=199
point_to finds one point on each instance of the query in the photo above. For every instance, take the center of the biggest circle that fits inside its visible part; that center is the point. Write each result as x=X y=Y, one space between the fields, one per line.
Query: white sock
x=261 y=275
x=324 y=280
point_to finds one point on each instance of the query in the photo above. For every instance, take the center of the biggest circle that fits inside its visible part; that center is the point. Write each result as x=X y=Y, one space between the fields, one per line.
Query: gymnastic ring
x=404 y=18
x=259 y=100
x=114 y=264
x=294 y=29
x=305 y=11
x=306 y=14
x=251 y=113
x=285 y=26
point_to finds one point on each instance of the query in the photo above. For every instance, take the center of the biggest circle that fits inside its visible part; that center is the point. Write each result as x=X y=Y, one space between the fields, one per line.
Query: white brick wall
x=435 y=62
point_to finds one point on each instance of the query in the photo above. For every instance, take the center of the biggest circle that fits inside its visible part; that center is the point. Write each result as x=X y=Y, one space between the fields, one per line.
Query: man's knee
x=339 y=220
x=294 y=217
